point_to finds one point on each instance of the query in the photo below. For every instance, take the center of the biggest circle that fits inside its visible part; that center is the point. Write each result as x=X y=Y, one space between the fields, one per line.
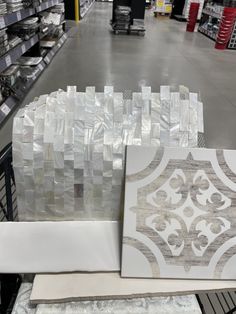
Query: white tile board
x=40 y=247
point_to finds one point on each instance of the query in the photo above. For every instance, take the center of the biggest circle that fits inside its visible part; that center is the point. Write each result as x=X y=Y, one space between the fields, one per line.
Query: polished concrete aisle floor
x=94 y=56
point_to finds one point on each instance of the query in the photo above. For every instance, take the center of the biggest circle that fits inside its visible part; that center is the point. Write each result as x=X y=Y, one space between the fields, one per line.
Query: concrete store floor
x=94 y=56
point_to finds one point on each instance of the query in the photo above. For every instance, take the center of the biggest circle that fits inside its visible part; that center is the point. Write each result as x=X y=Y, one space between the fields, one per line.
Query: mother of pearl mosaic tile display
x=180 y=213
x=68 y=147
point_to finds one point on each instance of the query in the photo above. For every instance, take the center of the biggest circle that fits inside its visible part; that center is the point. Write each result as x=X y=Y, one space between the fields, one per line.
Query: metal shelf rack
x=32 y=45
x=15 y=53
x=216 y=18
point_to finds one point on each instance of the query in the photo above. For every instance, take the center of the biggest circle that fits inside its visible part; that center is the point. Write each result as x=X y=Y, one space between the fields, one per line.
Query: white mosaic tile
x=82 y=136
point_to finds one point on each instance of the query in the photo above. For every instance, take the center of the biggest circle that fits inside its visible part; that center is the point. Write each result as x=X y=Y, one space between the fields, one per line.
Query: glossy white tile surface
x=41 y=247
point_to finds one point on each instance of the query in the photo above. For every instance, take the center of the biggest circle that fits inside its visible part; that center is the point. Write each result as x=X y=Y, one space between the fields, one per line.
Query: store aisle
x=166 y=55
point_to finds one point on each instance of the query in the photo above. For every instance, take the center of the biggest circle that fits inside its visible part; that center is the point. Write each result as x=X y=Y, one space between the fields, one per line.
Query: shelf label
x=2 y=22
x=47 y=59
x=5 y=109
x=23 y=49
x=47 y=5
x=40 y=67
x=18 y=15
x=8 y=60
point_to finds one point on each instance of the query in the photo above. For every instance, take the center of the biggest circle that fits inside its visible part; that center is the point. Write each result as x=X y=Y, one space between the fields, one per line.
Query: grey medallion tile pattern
x=69 y=147
x=180 y=213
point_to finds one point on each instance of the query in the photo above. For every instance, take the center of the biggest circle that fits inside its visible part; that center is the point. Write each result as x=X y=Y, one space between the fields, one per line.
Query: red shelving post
x=192 y=17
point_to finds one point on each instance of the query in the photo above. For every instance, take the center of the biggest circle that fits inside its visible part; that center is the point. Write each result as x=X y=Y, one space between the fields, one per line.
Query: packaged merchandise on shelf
x=48 y=18
x=3 y=7
x=10 y=75
x=211 y=26
x=122 y=17
x=3 y=35
x=4 y=49
x=163 y=6
x=9 y=78
x=52 y=37
x=59 y=8
x=4 y=44
x=14 y=5
x=28 y=72
x=29 y=61
x=25 y=28
x=31 y=3
x=47 y=43
x=51 y=24
x=214 y=8
x=14 y=41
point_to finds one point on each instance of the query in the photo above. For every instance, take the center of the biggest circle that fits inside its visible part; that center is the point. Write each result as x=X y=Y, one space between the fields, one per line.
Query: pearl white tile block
x=69 y=147
x=52 y=247
x=180 y=217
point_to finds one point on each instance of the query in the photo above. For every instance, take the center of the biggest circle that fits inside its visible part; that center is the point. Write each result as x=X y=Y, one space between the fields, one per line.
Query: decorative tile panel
x=180 y=213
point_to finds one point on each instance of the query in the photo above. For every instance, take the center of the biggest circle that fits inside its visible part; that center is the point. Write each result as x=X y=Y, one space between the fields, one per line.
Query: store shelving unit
x=180 y=9
x=211 y=13
x=48 y=58
x=210 y=22
x=15 y=53
x=14 y=17
x=206 y=14
x=207 y=33
x=47 y=4
x=9 y=19
x=85 y=6
x=10 y=103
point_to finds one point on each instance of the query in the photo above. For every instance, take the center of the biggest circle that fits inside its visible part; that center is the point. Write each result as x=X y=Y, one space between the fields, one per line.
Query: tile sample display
x=68 y=147
x=53 y=247
x=180 y=213
x=55 y=288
